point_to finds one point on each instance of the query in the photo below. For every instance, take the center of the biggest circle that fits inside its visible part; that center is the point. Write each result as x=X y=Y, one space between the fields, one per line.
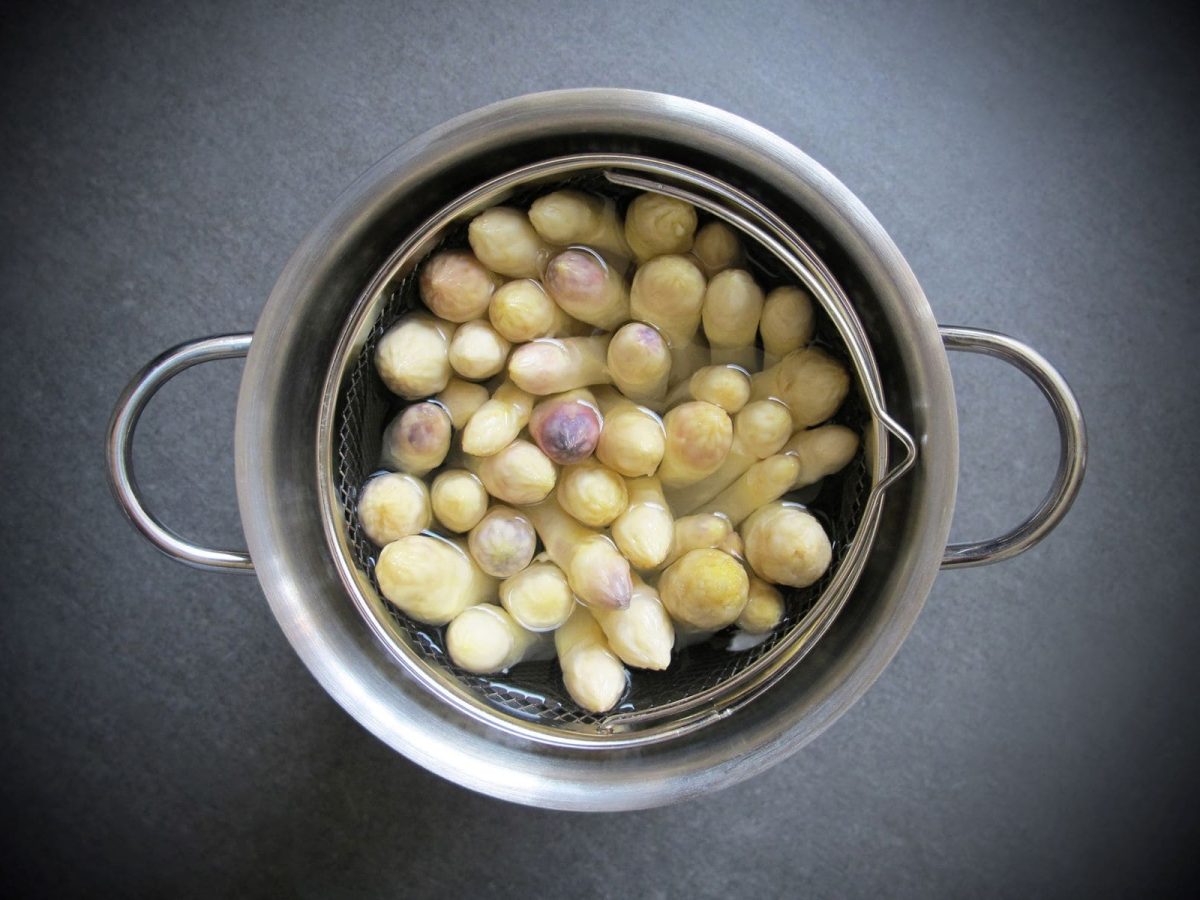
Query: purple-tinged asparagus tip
x=567 y=431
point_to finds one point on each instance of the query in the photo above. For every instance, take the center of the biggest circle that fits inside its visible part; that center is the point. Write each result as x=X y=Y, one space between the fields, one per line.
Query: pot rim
x=357 y=671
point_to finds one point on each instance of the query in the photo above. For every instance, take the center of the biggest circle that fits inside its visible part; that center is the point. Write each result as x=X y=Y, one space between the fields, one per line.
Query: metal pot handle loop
x=119 y=449
x=1072 y=447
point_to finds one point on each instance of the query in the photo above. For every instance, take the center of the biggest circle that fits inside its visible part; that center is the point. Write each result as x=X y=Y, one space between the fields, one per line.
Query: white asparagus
x=432 y=579
x=587 y=288
x=786 y=545
x=461 y=399
x=733 y=545
x=821 y=451
x=764 y=608
x=632 y=440
x=698 y=437
x=567 y=426
x=538 y=597
x=592 y=493
x=810 y=381
x=760 y=429
x=787 y=322
x=641 y=635
x=459 y=499
x=639 y=362
x=597 y=572
x=668 y=293
x=485 y=639
x=656 y=224
x=477 y=350
x=456 y=286
x=497 y=422
x=418 y=439
x=502 y=542
x=392 y=506
x=644 y=531
x=723 y=385
x=697 y=532
x=520 y=474
x=555 y=365
x=592 y=673
x=764 y=482
x=412 y=357
x=717 y=248
x=521 y=311
x=572 y=217
x=704 y=589
x=733 y=304
x=505 y=242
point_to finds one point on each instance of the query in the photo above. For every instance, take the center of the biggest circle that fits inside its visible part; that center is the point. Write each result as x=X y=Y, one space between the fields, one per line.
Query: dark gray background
x=1037 y=164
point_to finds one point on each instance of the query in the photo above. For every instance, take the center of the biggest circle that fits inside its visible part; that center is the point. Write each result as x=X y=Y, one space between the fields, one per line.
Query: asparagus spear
x=726 y=386
x=764 y=608
x=477 y=350
x=644 y=532
x=519 y=474
x=456 y=286
x=642 y=634
x=461 y=399
x=786 y=545
x=632 y=440
x=810 y=381
x=418 y=439
x=697 y=532
x=787 y=322
x=503 y=542
x=588 y=288
x=597 y=572
x=639 y=362
x=432 y=579
x=717 y=248
x=521 y=311
x=538 y=597
x=733 y=304
x=497 y=422
x=554 y=365
x=704 y=589
x=392 y=506
x=593 y=493
x=592 y=673
x=656 y=224
x=760 y=429
x=505 y=242
x=668 y=293
x=572 y=217
x=484 y=639
x=821 y=451
x=412 y=357
x=567 y=426
x=764 y=482
x=698 y=437
x=459 y=499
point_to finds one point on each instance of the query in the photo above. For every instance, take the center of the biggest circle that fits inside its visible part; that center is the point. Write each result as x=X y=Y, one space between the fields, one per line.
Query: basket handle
x=119 y=449
x=1072 y=447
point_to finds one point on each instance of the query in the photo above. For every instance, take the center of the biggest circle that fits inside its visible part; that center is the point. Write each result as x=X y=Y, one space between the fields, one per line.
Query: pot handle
x=119 y=449
x=1072 y=447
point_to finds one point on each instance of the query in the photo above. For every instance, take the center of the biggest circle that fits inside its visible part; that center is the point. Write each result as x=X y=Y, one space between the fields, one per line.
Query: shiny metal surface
x=749 y=677
x=119 y=449
x=276 y=447
x=1072 y=447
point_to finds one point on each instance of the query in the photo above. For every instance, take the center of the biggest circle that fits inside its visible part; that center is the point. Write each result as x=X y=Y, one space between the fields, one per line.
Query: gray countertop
x=1037 y=164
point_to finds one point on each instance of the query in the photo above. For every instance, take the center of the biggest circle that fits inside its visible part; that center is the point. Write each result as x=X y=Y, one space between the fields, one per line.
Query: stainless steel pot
x=278 y=449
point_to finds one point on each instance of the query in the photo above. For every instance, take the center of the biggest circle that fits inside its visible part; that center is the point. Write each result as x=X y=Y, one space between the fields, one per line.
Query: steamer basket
x=704 y=681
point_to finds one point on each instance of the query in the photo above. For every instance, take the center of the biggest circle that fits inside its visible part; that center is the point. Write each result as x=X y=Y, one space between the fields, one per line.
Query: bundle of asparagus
x=603 y=420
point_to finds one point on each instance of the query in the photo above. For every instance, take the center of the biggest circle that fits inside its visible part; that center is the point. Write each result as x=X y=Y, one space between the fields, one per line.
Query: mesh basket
x=532 y=692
